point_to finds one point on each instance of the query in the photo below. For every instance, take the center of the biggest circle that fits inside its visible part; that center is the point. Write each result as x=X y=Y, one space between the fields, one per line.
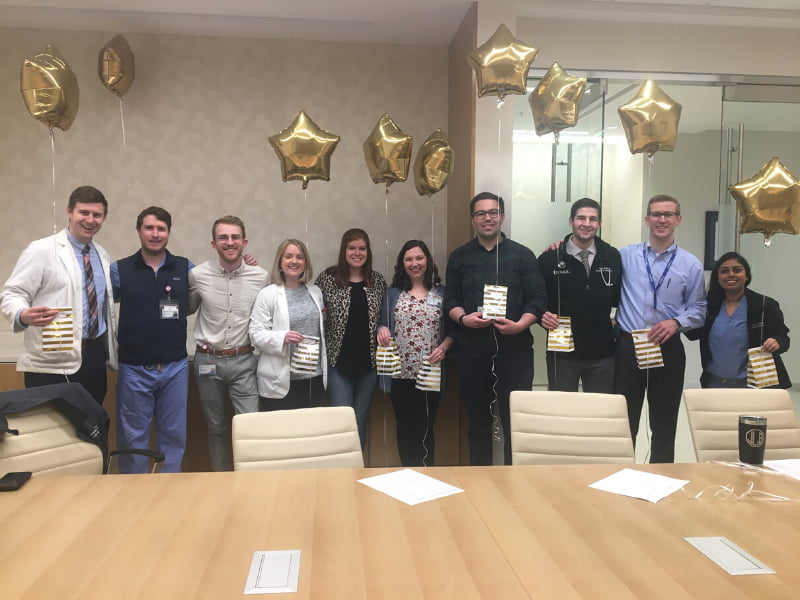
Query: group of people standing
x=277 y=341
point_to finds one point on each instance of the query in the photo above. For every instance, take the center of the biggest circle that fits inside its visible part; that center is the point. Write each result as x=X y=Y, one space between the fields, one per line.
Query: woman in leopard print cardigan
x=353 y=294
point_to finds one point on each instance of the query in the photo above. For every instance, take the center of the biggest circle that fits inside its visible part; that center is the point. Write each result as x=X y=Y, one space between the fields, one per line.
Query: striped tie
x=584 y=254
x=91 y=293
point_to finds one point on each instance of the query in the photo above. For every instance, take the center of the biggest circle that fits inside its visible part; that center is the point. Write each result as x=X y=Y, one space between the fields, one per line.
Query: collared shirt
x=680 y=296
x=225 y=299
x=573 y=250
x=729 y=339
x=472 y=266
x=99 y=284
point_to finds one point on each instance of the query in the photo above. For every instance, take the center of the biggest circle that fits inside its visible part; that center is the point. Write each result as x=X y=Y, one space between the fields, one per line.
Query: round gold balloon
x=650 y=120
x=387 y=152
x=501 y=64
x=768 y=202
x=434 y=164
x=116 y=66
x=555 y=103
x=304 y=150
x=50 y=89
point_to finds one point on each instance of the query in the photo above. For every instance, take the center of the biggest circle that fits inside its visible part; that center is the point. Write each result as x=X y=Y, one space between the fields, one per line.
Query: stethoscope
x=605 y=272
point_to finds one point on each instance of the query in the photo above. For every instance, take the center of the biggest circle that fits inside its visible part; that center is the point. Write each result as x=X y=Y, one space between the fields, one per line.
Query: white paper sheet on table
x=410 y=487
x=788 y=466
x=273 y=572
x=638 y=484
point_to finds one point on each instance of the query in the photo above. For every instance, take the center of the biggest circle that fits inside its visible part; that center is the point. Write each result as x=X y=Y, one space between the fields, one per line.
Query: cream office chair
x=305 y=438
x=714 y=421
x=47 y=445
x=569 y=427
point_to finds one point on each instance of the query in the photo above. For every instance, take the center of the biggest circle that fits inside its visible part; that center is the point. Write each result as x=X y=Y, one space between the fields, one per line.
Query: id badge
x=434 y=300
x=168 y=309
x=210 y=370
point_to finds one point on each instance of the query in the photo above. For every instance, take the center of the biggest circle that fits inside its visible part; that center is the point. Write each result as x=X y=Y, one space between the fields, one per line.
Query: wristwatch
x=461 y=320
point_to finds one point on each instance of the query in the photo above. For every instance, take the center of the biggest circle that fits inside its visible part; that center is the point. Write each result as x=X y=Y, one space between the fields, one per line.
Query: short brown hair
x=228 y=220
x=159 y=213
x=664 y=198
x=87 y=194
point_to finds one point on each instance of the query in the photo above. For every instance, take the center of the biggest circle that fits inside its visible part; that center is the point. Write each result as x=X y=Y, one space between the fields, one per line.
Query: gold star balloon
x=768 y=202
x=650 y=120
x=304 y=150
x=434 y=164
x=50 y=89
x=556 y=101
x=116 y=66
x=387 y=152
x=501 y=64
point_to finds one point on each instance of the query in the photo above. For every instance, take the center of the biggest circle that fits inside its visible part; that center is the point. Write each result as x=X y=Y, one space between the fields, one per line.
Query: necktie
x=584 y=254
x=91 y=293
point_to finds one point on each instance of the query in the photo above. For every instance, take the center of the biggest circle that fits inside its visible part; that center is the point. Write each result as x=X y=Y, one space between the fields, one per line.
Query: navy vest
x=144 y=337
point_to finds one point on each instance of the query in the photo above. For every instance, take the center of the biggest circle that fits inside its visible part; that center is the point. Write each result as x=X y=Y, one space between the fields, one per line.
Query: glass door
x=753 y=133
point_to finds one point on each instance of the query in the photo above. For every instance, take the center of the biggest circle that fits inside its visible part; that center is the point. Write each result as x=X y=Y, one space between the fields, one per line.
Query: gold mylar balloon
x=501 y=64
x=434 y=164
x=304 y=150
x=116 y=66
x=387 y=151
x=50 y=89
x=650 y=120
x=768 y=202
x=556 y=101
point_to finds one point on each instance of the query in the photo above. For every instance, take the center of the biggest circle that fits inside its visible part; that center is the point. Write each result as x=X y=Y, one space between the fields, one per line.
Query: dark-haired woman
x=413 y=316
x=353 y=294
x=738 y=319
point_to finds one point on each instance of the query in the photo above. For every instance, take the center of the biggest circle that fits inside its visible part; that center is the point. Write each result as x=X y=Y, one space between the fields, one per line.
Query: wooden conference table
x=516 y=532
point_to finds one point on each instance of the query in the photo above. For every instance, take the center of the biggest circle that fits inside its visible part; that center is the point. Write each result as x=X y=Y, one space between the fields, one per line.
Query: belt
x=89 y=341
x=206 y=349
x=729 y=379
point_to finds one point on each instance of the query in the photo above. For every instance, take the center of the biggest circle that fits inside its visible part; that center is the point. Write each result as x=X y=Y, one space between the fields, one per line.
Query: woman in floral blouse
x=413 y=316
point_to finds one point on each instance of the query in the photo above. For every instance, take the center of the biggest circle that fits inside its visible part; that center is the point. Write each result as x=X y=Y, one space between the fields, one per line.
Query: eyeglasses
x=666 y=215
x=233 y=238
x=482 y=214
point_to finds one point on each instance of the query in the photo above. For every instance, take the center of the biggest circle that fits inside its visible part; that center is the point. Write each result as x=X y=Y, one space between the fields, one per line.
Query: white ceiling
x=429 y=22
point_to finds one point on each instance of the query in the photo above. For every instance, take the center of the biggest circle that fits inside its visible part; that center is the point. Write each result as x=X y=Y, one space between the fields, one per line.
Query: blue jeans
x=355 y=392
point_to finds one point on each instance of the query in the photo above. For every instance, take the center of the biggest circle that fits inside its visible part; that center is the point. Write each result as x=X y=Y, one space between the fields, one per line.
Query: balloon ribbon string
x=122 y=123
x=433 y=226
x=53 y=154
x=305 y=203
x=386 y=301
x=125 y=145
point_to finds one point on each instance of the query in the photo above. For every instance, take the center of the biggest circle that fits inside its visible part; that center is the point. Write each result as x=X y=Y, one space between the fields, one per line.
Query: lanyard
x=655 y=287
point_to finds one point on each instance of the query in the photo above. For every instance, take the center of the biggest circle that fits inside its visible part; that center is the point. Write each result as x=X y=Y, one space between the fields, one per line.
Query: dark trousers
x=415 y=413
x=664 y=387
x=303 y=393
x=564 y=373
x=91 y=375
x=480 y=378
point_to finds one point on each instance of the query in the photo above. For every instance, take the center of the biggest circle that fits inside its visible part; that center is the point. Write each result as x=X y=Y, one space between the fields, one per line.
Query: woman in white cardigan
x=287 y=319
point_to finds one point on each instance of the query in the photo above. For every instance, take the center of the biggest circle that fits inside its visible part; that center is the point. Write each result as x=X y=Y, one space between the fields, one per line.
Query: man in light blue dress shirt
x=663 y=292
